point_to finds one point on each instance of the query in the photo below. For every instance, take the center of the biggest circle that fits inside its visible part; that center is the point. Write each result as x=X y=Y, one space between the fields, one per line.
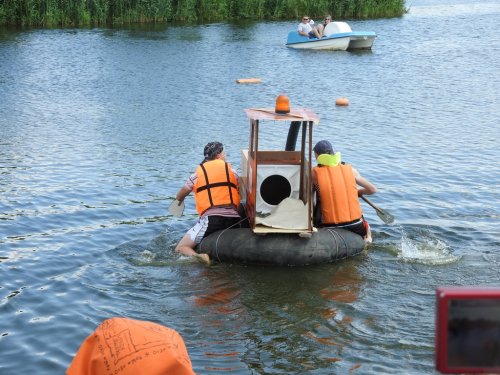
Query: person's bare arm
x=367 y=188
x=182 y=193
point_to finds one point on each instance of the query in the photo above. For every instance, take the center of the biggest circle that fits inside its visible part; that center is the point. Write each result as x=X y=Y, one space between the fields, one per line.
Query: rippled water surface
x=99 y=128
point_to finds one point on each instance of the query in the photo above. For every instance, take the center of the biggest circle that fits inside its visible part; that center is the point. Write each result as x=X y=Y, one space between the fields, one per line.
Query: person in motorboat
x=321 y=26
x=307 y=28
x=338 y=186
x=215 y=186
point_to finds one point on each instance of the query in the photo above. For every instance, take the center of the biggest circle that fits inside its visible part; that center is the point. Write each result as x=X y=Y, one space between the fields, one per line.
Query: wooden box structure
x=270 y=176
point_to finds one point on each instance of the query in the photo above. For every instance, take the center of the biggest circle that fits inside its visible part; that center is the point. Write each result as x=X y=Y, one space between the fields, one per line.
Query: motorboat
x=338 y=36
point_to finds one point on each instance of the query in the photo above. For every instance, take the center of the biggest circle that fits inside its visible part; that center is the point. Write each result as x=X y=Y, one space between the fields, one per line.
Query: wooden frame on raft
x=253 y=158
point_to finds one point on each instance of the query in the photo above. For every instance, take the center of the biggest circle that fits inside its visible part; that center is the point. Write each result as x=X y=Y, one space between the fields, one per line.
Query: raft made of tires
x=242 y=245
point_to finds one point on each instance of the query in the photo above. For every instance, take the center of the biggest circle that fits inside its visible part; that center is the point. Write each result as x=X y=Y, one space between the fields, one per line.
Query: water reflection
x=345 y=285
x=284 y=303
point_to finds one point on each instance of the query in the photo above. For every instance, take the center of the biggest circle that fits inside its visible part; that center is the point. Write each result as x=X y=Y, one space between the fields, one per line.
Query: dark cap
x=323 y=147
x=212 y=149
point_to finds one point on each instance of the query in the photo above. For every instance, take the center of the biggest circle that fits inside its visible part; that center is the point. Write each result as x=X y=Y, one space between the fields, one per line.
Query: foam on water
x=425 y=249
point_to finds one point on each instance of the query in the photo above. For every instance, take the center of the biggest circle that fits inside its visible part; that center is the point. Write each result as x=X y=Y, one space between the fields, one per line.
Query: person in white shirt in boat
x=336 y=184
x=215 y=186
x=306 y=28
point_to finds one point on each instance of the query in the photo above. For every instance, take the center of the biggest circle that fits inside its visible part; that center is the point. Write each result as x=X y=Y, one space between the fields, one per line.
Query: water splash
x=148 y=258
x=157 y=252
x=423 y=247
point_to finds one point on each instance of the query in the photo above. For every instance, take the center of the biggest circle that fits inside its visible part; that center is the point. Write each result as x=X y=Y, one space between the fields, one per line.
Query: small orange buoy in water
x=248 y=80
x=342 y=101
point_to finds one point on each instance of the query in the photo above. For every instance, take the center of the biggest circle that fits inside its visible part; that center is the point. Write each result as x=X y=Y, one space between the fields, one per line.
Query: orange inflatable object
x=248 y=80
x=122 y=346
x=342 y=101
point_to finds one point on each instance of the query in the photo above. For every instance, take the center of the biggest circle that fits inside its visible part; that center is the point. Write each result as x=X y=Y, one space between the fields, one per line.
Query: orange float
x=248 y=80
x=342 y=102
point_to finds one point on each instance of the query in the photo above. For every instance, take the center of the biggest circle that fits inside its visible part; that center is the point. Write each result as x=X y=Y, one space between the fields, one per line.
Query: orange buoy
x=248 y=80
x=282 y=104
x=342 y=101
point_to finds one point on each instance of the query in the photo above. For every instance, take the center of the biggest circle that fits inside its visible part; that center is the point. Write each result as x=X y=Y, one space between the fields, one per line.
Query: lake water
x=100 y=127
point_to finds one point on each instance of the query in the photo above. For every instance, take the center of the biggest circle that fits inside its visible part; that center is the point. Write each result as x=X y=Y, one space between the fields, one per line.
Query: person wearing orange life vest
x=215 y=186
x=338 y=186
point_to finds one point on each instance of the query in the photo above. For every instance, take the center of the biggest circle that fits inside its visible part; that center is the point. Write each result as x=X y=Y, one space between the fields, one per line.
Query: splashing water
x=425 y=249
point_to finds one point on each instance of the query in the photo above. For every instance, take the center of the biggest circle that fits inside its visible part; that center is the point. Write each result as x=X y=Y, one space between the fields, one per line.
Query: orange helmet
x=131 y=347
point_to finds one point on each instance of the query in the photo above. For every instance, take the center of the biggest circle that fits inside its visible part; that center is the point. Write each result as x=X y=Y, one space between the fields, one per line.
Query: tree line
x=50 y=13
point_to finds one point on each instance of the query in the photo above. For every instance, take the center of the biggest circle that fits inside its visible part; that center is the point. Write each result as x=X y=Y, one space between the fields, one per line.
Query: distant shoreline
x=53 y=13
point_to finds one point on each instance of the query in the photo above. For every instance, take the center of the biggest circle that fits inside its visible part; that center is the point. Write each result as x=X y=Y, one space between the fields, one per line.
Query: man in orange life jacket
x=336 y=185
x=215 y=186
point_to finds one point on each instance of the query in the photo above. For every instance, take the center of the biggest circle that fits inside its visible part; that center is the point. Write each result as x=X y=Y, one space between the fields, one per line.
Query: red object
x=467 y=330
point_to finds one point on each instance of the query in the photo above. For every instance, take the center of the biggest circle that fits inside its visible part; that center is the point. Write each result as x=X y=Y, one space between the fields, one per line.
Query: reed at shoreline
x=49 y=13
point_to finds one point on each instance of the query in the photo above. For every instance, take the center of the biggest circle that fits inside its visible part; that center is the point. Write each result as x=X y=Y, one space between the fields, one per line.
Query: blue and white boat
x=338 y=36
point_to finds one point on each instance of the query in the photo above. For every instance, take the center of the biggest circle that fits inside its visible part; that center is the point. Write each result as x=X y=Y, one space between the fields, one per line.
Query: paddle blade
x=385 y=216
x=176 y=208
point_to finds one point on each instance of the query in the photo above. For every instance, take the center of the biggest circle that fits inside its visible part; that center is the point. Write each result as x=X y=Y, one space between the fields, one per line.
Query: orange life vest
x=338 y=194
x=215 y=186
x=129 y=347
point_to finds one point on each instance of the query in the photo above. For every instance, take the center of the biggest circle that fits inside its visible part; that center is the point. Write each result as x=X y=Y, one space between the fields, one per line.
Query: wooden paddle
x=176 y=208
x=384 y=215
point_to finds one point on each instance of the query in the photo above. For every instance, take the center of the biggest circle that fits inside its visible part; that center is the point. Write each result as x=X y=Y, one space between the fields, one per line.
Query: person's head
x=128 y=347
x=305 y=19
x=212 y=151
x=327 y=19
x=323 y=147
x=323 y=151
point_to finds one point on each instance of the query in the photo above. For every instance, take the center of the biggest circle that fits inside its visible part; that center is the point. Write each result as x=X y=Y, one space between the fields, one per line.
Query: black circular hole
x=274 y=189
